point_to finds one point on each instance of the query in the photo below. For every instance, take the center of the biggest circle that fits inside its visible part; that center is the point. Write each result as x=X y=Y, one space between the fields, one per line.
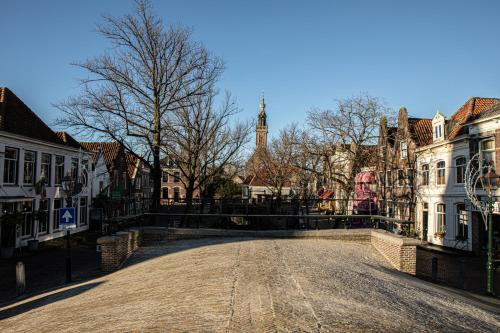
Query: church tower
x=261 y=129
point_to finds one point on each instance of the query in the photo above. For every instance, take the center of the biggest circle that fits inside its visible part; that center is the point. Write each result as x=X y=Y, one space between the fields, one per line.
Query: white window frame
x=15 y=165
x=437 y=173
x=425 y=174
x=490 y=150
x=403 y=150
x=440 y=216
x=460 y=217
x=462 y=166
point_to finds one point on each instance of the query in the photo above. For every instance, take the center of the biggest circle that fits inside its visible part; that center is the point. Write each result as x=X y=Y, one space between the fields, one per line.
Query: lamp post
x=68 y=186
x=489 y=183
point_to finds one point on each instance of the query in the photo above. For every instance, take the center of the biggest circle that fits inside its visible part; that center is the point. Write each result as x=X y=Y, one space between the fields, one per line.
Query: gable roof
x=132 y=164
x=17 y=118
x=109 y=150
x=470 y=110
x=68 y=139
x=420 y=130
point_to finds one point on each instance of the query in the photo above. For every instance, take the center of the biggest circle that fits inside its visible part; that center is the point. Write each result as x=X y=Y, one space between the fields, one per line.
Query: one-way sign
x=67 y=217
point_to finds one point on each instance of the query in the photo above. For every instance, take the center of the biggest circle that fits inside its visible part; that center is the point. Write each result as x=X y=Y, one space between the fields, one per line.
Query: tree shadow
x=45 y=300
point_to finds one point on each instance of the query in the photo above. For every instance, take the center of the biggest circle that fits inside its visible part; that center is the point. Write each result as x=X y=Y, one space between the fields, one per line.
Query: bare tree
x=204 y=142
x=274 y=164
x=345 y=137
x=150 y=71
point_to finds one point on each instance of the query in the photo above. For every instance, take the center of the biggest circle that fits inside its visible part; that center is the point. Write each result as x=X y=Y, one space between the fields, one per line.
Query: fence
x=276 y=221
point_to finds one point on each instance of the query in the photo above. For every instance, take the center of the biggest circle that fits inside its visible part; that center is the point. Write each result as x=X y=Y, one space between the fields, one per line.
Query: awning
x=16 y=199
x=365 y=177
x=326 y=194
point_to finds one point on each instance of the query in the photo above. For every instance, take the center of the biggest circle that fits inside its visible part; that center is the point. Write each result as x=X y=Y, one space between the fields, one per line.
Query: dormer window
x=438 y=127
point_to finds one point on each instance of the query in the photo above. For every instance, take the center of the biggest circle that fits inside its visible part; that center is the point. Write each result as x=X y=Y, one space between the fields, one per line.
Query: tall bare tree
x=205 y=142
x=150 y=71
x=344 y=138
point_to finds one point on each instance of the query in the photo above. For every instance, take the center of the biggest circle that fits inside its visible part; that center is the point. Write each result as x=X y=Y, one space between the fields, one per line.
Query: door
x=425 y=220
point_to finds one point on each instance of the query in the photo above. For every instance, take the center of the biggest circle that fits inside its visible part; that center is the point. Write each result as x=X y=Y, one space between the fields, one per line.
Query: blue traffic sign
x=67 y=217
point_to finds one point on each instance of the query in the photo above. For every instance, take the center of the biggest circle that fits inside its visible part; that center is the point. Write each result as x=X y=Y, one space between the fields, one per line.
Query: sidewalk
x=45 y=269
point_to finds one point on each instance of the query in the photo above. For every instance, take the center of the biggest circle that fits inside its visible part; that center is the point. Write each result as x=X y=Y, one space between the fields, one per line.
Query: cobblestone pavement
x=236 y=285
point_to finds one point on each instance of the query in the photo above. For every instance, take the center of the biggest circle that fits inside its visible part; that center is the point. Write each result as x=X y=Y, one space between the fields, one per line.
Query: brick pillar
x=110 y=253
x=400 y=251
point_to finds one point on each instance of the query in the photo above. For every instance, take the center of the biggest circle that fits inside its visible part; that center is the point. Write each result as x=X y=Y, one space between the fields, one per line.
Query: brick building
x=396 y=163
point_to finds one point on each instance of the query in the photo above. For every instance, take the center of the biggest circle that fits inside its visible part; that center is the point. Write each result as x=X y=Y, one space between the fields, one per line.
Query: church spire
x=261 y=129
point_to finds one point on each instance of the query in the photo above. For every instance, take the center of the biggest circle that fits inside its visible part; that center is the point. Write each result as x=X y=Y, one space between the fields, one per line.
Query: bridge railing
x=276 y=221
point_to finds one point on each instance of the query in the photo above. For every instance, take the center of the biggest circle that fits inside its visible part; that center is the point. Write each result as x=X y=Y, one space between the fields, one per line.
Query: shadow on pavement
x=51 y=298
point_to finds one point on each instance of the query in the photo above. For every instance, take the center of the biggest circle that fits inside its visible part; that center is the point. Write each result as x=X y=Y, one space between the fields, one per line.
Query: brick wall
x=117 y=248
x=400 y=251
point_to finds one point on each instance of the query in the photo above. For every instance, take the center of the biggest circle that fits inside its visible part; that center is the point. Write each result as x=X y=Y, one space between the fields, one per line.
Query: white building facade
x=444 y=216
x=33 y=162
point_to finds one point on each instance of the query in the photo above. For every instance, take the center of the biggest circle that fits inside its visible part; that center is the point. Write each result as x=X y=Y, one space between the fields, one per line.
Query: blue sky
x=425 y=55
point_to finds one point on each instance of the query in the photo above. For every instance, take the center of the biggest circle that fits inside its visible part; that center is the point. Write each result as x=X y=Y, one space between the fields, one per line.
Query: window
x=462 y=222
x=460 y=170
x=11 y=162
x=437 y=131
x=46 y=167
x=401 y=178
x=164 y=193
x=388 y=180
x=441 y=218
x=177 y=177
x=441 y=173
x=487 y=154
x=55 y=213
x=164 y=177
x=27 y=225
x=43 y=216
x=176 y=194
x=59 y=169
x=74 y=169
x=85 y=172
x=83 y=211
x=403 y=151
x=382 y=178
x=29 y=167
x=425 y=174
x=410 y=175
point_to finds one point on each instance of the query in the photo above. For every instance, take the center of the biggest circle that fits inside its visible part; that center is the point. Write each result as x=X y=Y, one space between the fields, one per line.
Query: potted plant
x=9 y=223
x=39 y=215
x=39 y=186
x=439 y=234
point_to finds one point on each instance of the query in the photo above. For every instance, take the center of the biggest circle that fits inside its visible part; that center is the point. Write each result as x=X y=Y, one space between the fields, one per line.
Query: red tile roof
x=471 y=109
x=132 y=164
x=109 y=150
x=68 y=139
x=420 y=130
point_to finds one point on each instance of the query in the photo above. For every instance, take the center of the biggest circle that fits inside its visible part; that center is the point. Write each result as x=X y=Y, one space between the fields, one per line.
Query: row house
x=173 y=189
x=33 y=161
x=443 y=215
x=396 y=164
x=121 y=185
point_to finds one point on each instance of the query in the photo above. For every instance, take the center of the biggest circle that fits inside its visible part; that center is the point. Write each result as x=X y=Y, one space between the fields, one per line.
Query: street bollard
x=20 y=279
x=434 y=268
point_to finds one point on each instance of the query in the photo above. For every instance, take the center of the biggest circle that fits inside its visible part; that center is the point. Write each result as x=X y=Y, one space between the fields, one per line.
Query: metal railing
x=276 y=221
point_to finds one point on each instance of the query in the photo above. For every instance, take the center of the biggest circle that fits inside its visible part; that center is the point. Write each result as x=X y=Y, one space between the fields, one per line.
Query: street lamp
x=68 y=186
x=489 y=182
